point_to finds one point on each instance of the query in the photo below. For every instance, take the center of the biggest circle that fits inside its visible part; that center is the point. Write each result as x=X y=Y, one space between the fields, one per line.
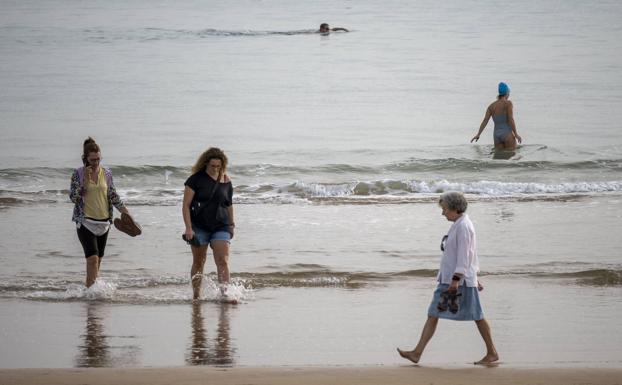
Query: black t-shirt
x=214 y=216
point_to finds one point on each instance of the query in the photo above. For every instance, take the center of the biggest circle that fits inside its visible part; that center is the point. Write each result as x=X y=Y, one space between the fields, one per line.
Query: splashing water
x=234 y=292
x=98 y=291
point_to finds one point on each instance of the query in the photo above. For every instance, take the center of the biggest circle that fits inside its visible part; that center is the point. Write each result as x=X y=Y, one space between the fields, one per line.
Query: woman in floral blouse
x=93 y=193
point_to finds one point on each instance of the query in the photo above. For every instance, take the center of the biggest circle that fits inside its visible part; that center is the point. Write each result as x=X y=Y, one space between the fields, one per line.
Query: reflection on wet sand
x=201 y=352
x=95 y=350
x=504 y=213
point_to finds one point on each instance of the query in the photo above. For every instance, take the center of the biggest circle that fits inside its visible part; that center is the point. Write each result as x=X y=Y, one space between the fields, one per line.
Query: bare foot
x=226 y=297
x=409 y=355
x=489 y=359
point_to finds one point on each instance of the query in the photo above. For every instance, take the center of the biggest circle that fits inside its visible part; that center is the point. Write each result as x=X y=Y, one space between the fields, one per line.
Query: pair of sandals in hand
x=449 y=301
x=127 y=225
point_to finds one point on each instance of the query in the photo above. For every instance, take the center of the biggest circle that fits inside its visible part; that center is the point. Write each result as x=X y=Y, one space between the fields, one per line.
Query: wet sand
x=313 y=375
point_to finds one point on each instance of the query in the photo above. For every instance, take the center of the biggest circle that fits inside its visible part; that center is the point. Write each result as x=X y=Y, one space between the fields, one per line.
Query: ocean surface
x=339 y=146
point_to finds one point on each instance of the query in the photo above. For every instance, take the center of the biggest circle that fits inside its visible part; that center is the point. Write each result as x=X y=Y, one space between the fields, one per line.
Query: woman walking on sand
x=456 y=296
x=207 y=211
x=502 y=113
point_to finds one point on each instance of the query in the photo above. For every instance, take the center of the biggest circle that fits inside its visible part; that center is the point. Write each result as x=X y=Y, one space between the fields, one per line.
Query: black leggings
x=91 y=243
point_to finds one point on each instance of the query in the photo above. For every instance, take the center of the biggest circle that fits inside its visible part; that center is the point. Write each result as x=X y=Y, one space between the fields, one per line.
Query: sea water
x=339 y=146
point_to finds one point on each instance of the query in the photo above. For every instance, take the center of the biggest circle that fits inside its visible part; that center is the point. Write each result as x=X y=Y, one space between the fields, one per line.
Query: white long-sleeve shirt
x=460 y=255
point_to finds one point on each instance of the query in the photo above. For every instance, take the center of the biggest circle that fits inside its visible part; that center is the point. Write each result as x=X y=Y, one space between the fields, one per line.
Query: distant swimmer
x=502 y=112
x=326 y=29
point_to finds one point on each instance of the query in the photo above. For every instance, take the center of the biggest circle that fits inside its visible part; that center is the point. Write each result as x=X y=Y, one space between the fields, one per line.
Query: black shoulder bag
x=197 y=207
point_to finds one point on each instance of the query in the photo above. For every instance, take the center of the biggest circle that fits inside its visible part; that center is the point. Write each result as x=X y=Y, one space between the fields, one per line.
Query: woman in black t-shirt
x=208 y=215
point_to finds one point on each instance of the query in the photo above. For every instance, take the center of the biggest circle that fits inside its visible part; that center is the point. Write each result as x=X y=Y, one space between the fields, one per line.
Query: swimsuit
x=502 y=128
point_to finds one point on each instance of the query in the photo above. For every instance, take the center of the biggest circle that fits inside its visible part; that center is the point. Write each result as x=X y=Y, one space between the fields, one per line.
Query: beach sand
x=312 y=375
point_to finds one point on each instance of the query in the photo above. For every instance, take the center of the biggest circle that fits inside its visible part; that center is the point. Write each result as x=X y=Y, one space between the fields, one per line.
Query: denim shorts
x=205 y=238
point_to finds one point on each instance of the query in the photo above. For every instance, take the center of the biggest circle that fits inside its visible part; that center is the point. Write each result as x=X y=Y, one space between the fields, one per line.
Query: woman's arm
x=483 y=124
x=463 y=245
x=511 y=121
x=185 y=212
x=231 y=220
x=75 y=188
x=230 y=208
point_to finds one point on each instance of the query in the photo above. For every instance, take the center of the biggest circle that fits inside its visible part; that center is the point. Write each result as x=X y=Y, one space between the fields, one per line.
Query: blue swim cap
x=504 y=89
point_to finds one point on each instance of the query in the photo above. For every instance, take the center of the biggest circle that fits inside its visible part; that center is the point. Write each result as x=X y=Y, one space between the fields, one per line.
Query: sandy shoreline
x=312 y=376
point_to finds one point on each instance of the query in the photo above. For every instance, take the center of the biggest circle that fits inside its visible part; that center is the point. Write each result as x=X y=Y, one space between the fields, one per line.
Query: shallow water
x=552 y=301
x=542 y=323
x=316 y=245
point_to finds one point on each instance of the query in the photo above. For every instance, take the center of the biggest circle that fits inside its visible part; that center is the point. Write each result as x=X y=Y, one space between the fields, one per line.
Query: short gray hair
x=454 y=200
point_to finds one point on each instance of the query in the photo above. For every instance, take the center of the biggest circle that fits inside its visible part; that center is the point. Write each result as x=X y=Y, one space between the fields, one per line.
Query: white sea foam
x=512 y=188
x=324 y=190
x=389 y=189
x=100 y=290
x=233 y=292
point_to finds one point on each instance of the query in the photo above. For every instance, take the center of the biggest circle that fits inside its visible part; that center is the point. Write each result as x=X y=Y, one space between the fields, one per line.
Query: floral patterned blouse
x=76 y=192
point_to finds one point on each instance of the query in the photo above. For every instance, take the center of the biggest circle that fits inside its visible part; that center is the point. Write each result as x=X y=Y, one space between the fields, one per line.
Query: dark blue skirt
x=470 y=307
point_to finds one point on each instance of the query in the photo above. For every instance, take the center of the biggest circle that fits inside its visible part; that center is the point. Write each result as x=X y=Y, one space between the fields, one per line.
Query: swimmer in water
x=502 y=113
x=326 y=29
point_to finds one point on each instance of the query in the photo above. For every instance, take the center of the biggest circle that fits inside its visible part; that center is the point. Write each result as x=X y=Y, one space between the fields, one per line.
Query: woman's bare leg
x=510 y=142
x=491 y=351
x=426 y=335
x=221 y=258
x=196 y=272
x=92 y=269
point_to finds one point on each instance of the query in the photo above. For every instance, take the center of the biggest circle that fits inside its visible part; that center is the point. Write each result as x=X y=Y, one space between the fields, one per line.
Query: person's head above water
x=504 y=89
x=325 y=29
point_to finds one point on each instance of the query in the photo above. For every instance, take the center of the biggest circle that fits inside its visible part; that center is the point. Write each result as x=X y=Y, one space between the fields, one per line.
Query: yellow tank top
x=96 y=197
